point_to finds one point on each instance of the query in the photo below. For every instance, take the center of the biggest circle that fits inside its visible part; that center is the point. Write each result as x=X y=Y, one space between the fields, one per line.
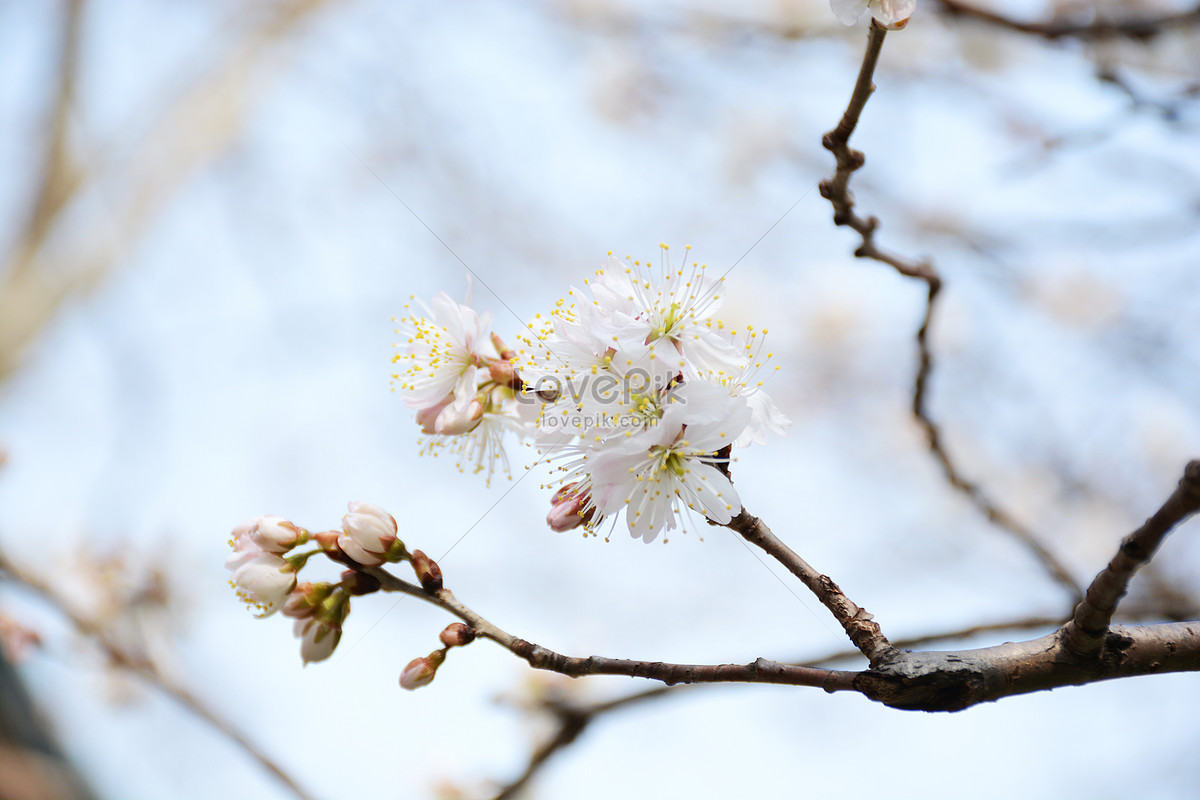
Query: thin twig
x=144 y=667
x=836 y=190
x=759 y=671
x=863 y=631
x=1085 y=633
x=571 y=723
x=1130 y=27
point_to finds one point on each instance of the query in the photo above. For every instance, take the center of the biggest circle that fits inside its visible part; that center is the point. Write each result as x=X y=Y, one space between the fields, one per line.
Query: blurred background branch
x=126 y=650
x=188 y=132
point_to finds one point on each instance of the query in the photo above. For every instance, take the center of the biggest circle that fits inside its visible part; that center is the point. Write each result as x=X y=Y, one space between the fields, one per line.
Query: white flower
x=764 y=414
x=369 y=535
x=443 y=349
x=656 y=471
x=891 y=14
x=678 y=307
x=602 y=362
x=262 y=580
x=461 y=383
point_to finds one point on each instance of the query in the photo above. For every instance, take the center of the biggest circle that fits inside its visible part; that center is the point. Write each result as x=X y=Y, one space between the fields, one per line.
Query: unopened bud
x=318 y=639
x=456 y=420
x=328 y=542
x=428 y=572
x=359 y=583
x=319 y=634
x=505 y=374
x=334 y=608
x=420 y=671
x=567 y=508
x=268 y=535
x=304 y=600
x=457 y=634
x=369 y=535
x=277 y=535
x=502 y=348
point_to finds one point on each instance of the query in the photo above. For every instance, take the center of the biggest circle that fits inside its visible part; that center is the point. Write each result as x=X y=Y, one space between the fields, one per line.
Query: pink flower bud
x=304 y=600
x=567 y=508
x=321 y=633
x=502 y=348
x=319 y=638
x=457 y=634
x=455 y=420
x=327 y=541
x=277 y=535
x=427 y=417
x=420 y=671
x=427 y=570
x=505 y=374
x=266 y=535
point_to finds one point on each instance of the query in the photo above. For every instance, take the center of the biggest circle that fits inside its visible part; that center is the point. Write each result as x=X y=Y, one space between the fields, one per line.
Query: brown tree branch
x=1143 y=28
x=573 y=719
x=954 y=680
x=1085 y=632
x=759 y=671
x=836 y=190
x=863 y=631
x=143 y=666
x=924 y=681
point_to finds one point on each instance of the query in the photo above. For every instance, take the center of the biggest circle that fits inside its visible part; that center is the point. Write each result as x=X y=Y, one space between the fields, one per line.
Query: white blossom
x=765 y=416
x=461 y=384
x=442 y=351
x=262 y=580
x=891 y=14
x=636 y=305
x=656 y=472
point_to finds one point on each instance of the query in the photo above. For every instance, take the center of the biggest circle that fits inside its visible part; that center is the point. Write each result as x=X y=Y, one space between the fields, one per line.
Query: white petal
x=848 y=11
x=710 y=492
x=889 y=12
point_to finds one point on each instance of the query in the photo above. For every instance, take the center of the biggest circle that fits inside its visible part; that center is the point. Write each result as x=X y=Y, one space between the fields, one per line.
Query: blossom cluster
x=266 y=561
x=631 y=388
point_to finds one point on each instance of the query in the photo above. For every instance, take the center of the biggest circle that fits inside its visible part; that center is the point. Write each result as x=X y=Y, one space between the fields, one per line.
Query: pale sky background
x=236 y=359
